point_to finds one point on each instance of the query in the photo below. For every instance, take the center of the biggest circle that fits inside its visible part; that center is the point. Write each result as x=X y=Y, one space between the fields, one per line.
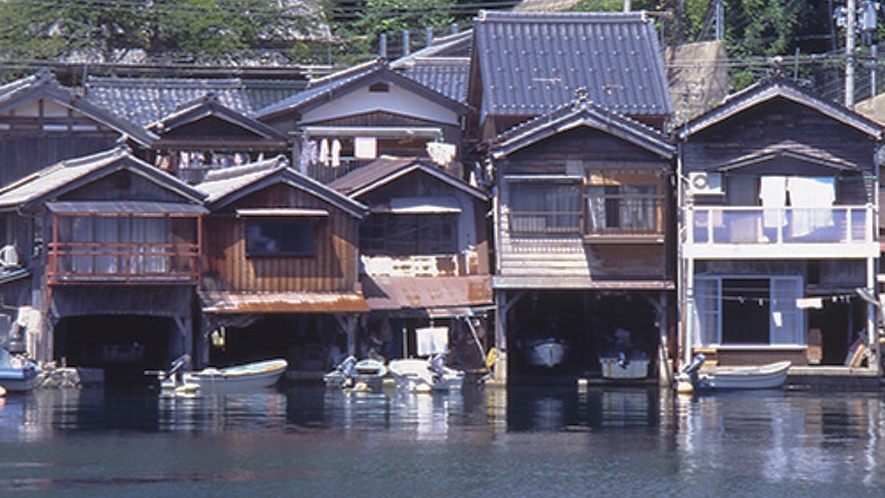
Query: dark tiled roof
x=448 y=76
x=581 y=113
x=44 y=85
x=323 y=89
x=766 y=90
x=531 y=63
x=145 y=101
x=388 y=168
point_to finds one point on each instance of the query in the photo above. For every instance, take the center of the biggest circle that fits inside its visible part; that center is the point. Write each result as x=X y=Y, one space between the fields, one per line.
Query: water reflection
x=765 y=438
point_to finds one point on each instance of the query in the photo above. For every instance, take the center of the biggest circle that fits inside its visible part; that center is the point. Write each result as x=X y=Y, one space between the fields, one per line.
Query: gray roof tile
x=531 y=63
x=145 y=101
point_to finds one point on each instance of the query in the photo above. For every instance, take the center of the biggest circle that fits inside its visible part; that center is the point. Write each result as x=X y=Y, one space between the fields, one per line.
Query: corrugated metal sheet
x=531 y=63
x=218 y=302
x=143 y=101
x=401 y=293
x=124 y=207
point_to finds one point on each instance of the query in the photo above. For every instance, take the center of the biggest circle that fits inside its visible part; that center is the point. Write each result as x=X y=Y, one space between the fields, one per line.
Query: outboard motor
x=695 y=364
x=177 y=364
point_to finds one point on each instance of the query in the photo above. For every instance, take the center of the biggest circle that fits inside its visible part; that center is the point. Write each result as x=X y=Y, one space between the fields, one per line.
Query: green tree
x=374 y=17
x=193 y=30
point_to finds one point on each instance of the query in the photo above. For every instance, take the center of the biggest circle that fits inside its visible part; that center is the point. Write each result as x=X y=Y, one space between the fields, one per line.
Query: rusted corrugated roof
x=396 y=293
x=220 y=302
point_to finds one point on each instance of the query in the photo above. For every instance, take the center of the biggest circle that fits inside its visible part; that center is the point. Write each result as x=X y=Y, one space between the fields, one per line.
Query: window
x=545 y=208
x=409 y=235
x=623 y=209
x=749 y=311
x=100 y=244
x=268 y=237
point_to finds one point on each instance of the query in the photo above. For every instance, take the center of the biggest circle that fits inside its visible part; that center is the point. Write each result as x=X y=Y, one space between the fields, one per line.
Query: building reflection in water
x=782 y=436
x=776 y=435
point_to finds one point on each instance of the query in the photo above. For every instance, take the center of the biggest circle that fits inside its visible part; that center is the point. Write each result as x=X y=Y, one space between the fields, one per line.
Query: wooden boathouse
x=281 y=267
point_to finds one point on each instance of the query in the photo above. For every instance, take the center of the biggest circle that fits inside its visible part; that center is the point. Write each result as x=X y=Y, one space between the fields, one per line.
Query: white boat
x=545 y=352
x=420 y=375
x=211 y=380
x=17 y=373
x=769 y=376
x=350 y=372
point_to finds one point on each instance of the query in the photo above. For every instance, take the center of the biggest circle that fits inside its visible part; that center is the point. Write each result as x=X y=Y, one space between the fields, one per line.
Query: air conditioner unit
x=705 y=183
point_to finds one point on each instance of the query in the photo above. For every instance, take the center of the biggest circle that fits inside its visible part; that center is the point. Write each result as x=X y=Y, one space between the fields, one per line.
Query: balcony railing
x=604 y=216
x=162 y=263
x=756 y=225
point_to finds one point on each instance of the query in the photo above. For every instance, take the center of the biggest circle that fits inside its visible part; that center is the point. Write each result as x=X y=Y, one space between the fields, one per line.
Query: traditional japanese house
x=109 y=255
x=349 y=118
x=778 y=195
x=42 y=122
x=569 y=109
x=203 y=134
x=281 y=274
x=583 y=245
x=424 y=258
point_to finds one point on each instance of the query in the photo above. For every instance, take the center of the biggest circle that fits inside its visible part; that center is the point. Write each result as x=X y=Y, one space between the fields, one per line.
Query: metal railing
x=756 y=225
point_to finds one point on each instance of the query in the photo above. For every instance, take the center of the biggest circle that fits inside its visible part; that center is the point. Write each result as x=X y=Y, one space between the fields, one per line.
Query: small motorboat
x=769 y=376
x=17 y=372
x=211 y=380
x=351 y=372
x=425 y=375
x=547 y=353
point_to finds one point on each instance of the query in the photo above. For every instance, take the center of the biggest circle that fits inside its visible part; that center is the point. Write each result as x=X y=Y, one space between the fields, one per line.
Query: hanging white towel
x=324 y=152
x=336 y=153
x=773 y=194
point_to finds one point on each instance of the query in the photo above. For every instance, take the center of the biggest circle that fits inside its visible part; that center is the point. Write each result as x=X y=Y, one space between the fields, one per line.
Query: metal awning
x=281 y=212
x=125 y=208
x=420 y=205
x=427 y=293
x=220 y=302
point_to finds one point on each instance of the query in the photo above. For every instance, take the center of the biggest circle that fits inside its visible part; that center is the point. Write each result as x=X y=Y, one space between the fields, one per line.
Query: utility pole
x=851 y=21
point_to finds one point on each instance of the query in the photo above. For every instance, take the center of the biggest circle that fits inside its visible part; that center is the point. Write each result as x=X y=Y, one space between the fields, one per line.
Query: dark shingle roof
x=145 y=101
x=531 y=63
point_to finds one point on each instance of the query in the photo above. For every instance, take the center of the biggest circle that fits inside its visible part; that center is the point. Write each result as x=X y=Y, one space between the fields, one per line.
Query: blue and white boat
x=17 y=373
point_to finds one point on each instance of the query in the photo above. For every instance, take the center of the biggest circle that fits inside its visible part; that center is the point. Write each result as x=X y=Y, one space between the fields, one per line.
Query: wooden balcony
x=140 y=263
x=773 y=233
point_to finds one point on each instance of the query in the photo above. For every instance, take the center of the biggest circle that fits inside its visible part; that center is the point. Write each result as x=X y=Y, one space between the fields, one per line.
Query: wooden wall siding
x=772 y=123
x=331 y=269
x=419 y=184
x=583 y=147
x=123 y=186
x=25 y=153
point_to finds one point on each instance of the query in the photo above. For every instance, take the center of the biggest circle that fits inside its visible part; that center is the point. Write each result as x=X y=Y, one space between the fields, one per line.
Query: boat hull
x=770 y=376
x=548 y=353
x=236 y=379
x=18 y=379
x=413 y=375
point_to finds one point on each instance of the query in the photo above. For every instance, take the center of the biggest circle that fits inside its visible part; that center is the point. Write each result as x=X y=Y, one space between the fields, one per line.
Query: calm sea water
x=305 y=441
